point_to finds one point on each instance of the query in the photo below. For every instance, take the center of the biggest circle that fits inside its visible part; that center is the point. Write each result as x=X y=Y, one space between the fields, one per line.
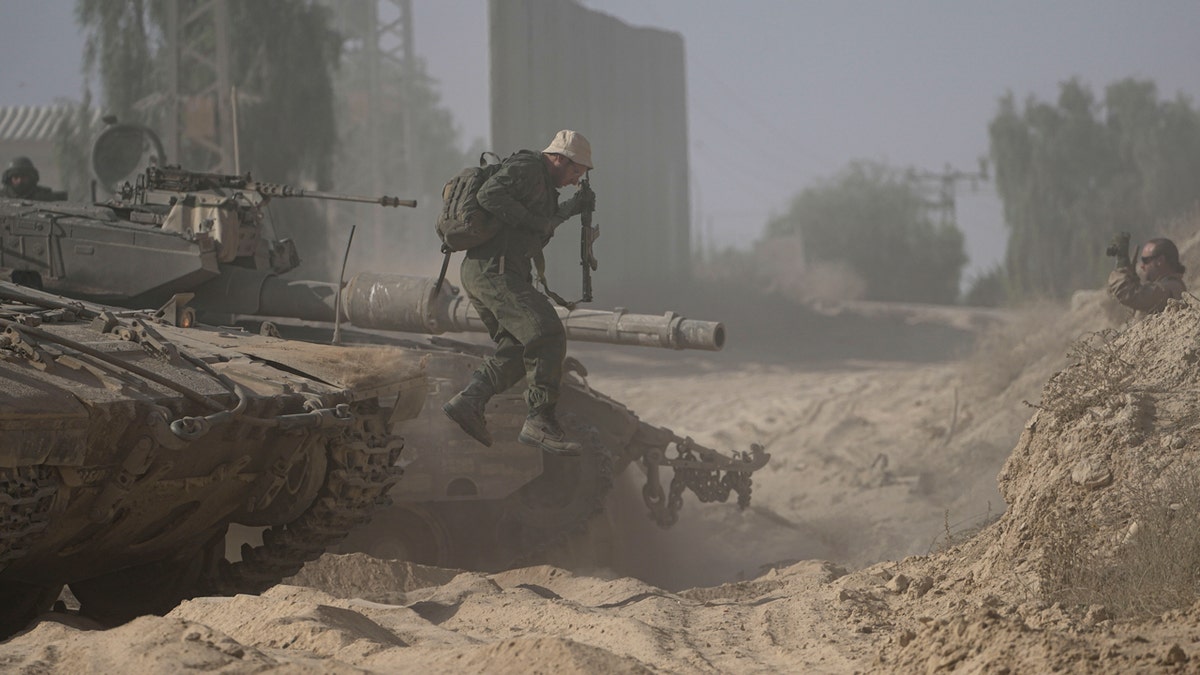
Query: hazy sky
x=782 y=93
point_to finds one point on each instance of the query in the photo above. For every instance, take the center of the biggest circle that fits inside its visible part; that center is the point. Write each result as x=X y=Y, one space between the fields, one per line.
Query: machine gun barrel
x=403 y=303
x=278 y=190
x=175 y=179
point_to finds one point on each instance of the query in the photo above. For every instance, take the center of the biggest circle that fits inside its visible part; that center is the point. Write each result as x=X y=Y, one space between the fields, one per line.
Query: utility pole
x=947 y=184
x=380 y=34
x=199 y=115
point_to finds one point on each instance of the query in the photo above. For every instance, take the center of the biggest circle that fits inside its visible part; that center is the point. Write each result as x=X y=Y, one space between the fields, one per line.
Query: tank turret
x=175 y=231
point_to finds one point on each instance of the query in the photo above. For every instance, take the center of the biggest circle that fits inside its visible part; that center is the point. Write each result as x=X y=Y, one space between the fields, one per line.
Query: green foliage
x=1073 y=173
x=988 y=289
x=118 y=48
x=283 y=55
x=412 y=115
x=876 y=220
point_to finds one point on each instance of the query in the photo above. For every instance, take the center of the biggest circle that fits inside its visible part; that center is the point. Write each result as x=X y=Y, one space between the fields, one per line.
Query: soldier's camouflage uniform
x=1144 y=298
x=498 y=278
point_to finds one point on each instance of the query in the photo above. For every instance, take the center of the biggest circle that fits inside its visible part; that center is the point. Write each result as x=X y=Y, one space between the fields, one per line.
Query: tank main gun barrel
x=404 y=303
x=409 y=304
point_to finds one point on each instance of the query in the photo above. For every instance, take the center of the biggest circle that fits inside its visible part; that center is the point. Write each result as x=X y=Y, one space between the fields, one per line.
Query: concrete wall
x=557 y=65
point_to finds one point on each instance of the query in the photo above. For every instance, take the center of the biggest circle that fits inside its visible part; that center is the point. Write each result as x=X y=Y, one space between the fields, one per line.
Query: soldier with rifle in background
x=1162 y=275
x=21 y=182
x=522 y=195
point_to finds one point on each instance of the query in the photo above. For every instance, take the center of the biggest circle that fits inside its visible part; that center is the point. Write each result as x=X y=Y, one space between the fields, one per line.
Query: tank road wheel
x=26 y=495
x=22 y=604
x=301 y=484
x=360 y=468
x=409 y=532
x=356 y=472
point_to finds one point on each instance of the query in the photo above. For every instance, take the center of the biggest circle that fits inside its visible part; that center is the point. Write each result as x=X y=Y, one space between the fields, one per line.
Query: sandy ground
x=877 y=540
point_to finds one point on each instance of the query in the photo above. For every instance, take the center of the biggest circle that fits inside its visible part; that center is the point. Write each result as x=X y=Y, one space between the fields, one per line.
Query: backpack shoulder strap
x=437 y=288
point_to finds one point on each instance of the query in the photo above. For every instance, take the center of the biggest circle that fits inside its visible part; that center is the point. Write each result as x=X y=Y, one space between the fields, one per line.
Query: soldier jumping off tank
x=498 y=278
x=21 y=182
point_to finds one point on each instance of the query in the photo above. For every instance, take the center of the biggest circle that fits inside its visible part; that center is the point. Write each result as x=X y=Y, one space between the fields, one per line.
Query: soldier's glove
x=582 y=200
x=1119 y=248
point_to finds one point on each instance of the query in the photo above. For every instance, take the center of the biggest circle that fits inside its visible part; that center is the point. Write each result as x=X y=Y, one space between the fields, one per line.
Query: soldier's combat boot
x=541 y=430
x=467 y=406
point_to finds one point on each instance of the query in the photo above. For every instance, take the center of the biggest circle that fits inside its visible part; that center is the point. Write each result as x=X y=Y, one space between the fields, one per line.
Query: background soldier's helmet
x=23 y=166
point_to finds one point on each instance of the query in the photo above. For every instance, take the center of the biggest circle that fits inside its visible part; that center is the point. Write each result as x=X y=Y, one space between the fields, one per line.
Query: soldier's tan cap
x=573 y=146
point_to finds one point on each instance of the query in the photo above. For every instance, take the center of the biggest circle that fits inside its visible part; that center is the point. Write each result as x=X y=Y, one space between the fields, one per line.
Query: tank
x=129 y=447
x=193 y=246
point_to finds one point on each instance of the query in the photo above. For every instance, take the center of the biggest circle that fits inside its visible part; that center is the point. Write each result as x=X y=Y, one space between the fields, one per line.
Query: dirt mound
x=1113 y=439
x=356 y=575
x=545 y=656
x=1091 y=568
x=145 y=645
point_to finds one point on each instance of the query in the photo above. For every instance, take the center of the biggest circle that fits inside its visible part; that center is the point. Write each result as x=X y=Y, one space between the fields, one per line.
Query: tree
x=283 y=55
x=118 y=48
x=410 y=114
x=876 y=220
x=1072 y=174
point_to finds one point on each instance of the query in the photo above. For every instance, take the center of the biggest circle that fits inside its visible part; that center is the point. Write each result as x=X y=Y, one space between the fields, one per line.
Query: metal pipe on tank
x=241 y=291
x=409 y=304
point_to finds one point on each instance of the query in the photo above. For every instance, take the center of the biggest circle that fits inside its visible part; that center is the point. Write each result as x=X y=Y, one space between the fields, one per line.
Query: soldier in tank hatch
x=21 y=182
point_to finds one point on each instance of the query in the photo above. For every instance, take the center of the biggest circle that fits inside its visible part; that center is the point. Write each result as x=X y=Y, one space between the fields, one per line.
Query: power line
x=741 y=101
x=740 y=176
x=947 y=181
x=755 y=145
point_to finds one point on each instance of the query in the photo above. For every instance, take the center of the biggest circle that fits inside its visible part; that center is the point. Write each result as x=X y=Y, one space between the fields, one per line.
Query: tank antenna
x=237 y=154
x=337 y=302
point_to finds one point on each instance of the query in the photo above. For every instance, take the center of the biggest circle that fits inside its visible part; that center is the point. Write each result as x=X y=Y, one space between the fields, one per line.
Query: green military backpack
x=463 y=224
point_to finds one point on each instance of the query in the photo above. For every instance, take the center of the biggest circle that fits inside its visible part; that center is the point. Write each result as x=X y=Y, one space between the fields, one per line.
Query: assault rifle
x=587 y=237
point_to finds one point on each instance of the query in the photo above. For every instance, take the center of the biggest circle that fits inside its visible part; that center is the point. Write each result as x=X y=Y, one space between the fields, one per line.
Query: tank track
x=523 y=528
x=546 y=528
x=26 y=496
x=361 y=470
x=554 y=529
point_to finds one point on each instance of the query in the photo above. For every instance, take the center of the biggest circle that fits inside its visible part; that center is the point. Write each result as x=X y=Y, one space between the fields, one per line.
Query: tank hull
x=128 y=446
